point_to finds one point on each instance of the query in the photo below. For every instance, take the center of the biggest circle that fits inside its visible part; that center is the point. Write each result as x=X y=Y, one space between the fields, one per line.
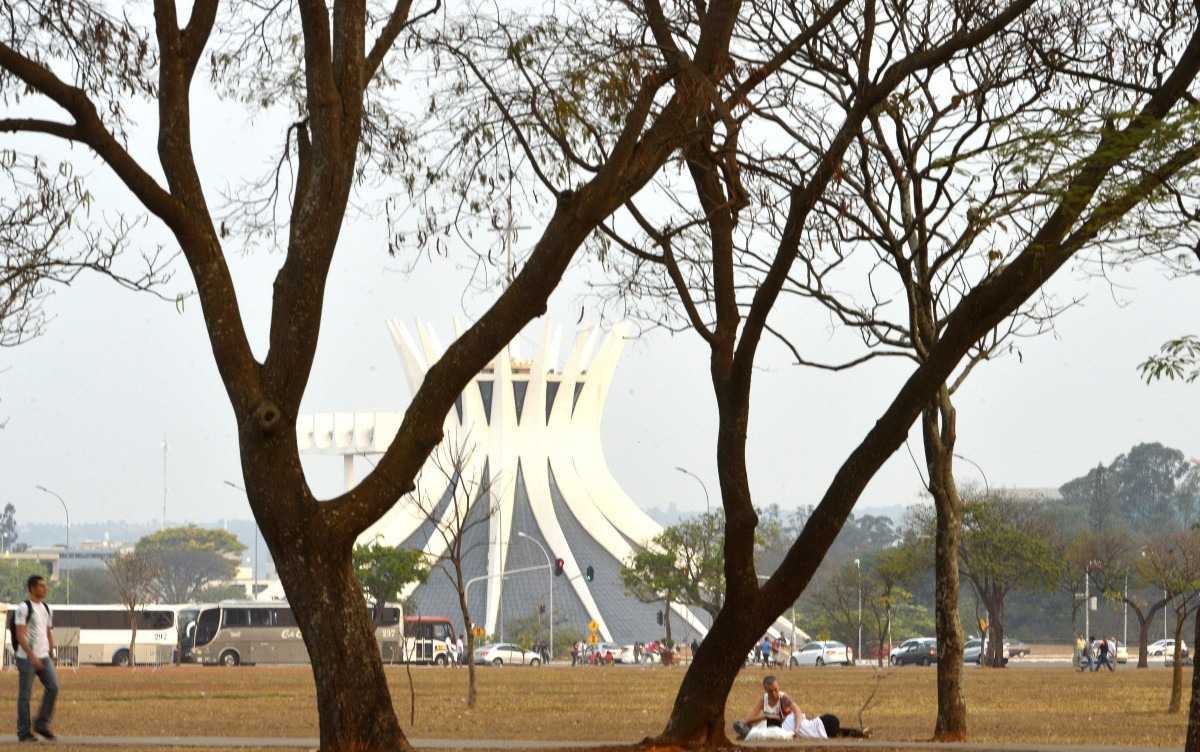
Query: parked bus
x=100 y=634
x=232 y=633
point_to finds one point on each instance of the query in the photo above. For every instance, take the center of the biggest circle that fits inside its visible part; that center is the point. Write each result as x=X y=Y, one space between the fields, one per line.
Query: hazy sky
x=89 y=404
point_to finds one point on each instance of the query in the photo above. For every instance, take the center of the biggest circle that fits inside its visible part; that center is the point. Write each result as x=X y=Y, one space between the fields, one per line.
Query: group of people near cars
x=1094 y=653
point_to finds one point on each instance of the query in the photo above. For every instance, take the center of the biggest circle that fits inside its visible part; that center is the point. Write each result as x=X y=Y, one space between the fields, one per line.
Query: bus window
x=206 y=625
x=156 y=620
x=441 y=631
x=260 y=617
x=236 y=617
x=284 y=617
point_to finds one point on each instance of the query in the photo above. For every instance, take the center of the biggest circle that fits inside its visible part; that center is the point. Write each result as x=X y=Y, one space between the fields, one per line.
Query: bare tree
x=1116 y=158
x=48 y=238
x=134 y=575
x=459 y=501
x=332 y=71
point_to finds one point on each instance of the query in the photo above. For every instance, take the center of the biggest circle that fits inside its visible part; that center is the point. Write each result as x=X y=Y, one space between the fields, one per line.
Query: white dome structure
x=535 y=433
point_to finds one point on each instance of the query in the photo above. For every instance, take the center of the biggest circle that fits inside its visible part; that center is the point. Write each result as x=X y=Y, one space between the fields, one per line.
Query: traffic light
x=558 y=566
x=589 y=574
x=660 y=618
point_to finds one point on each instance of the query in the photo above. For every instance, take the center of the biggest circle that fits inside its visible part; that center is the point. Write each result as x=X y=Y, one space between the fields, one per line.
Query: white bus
x=233 y=633
x=100 y=634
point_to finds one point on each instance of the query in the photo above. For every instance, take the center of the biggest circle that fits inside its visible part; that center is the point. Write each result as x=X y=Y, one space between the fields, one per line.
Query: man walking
x=35 y=646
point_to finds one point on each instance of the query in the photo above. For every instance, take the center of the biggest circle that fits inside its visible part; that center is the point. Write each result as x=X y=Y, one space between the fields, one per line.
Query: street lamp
x=707 y=503
x=67 y=550
x=254 y=586
x=549 y=566
x=858 y=564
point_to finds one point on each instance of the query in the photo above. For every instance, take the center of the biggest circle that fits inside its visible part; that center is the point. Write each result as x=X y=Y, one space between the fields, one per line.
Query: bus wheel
x=121 y=658
x=534 y=662
x=441 y=660
x=230 y=658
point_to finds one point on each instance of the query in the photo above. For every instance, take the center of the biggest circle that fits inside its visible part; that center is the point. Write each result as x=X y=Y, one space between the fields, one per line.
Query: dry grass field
x=1049 y=705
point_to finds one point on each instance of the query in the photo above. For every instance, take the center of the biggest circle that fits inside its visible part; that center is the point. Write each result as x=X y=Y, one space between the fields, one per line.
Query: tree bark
x=1192 y=743
x=667 y=622
x=132 y=637
x=470 y=657
x=995 y=651
x=698 y=716
x=354 y=706
x=1143 y=641
x=1177 y=666
x=939 y=435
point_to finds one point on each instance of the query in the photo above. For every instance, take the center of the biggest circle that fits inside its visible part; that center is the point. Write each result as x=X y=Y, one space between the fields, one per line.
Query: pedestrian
x=764 y=650
x=575 y=654
x=1080 y=648
x=462 y=652
x=1085 y=658
x=1105 y=658
x=33 y=638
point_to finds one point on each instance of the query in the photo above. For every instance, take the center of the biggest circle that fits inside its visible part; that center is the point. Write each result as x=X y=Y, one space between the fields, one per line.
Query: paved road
x=242 y=742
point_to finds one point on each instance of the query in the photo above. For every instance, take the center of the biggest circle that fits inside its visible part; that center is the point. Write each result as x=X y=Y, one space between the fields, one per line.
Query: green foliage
x=383 y=571
x=1151 y=488
x=1177 y=360
x=14 y=573
x=190 y=558
x=534 y=628
x=1007 y=544
x=90 y=586
x=214 y=593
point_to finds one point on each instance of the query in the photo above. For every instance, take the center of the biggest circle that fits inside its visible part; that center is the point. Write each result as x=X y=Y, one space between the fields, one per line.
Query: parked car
x=498 y=654
x=909 y=648
x=920 y=653
x=1122 y=653
x=607 y=652
x=823 y=652
x=904 y=646
x=972 y=650
x=1165 y=649
x=1016 y=649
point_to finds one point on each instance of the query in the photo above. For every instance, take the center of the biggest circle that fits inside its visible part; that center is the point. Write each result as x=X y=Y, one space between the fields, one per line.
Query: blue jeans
x=49 y=681
x=1105 y=660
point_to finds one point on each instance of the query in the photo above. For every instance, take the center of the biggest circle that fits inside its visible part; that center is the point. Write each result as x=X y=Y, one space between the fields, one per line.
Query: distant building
x=534 y=427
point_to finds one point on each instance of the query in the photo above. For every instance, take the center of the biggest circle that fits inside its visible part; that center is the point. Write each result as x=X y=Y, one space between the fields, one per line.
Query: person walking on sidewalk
x=34 y=633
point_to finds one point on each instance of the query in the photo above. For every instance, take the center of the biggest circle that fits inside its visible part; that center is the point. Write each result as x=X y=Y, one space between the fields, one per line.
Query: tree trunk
x=132 y=637
x=353 y=703
x=1177 y=667
x=938 y=432
x=667 y=622
x=698 y=716
x=1192 y=743
x=1143 y=641
x=995 y=651
x=470 y=657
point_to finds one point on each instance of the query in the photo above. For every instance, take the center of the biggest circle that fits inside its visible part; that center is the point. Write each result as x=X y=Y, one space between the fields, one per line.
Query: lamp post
x=1125 y=614
x=163 y=524
x=254 y=586
x=67 y=550
x=550 y=566
x=703 y=487
x=858 y=564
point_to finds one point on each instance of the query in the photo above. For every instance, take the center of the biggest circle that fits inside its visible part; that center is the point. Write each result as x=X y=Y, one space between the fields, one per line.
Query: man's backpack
x=12 y=621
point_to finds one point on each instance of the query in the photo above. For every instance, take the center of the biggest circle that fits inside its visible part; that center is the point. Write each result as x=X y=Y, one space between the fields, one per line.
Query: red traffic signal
x=558 y=566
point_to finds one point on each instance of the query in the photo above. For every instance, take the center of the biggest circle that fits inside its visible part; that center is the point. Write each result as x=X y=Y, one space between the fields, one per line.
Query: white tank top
x=774 y=712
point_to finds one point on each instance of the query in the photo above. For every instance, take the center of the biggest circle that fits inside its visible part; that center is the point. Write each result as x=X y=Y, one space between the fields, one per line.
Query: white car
x=904 y=646
x=502 y=653
x=609 y=652
x=1166 y=649
x=820 y=653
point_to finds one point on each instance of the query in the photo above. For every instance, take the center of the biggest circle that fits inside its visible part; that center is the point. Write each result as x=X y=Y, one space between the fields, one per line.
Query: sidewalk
x=311 y=743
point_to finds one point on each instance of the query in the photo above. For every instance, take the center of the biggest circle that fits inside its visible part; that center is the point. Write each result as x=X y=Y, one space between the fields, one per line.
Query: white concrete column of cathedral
x=535 y=429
